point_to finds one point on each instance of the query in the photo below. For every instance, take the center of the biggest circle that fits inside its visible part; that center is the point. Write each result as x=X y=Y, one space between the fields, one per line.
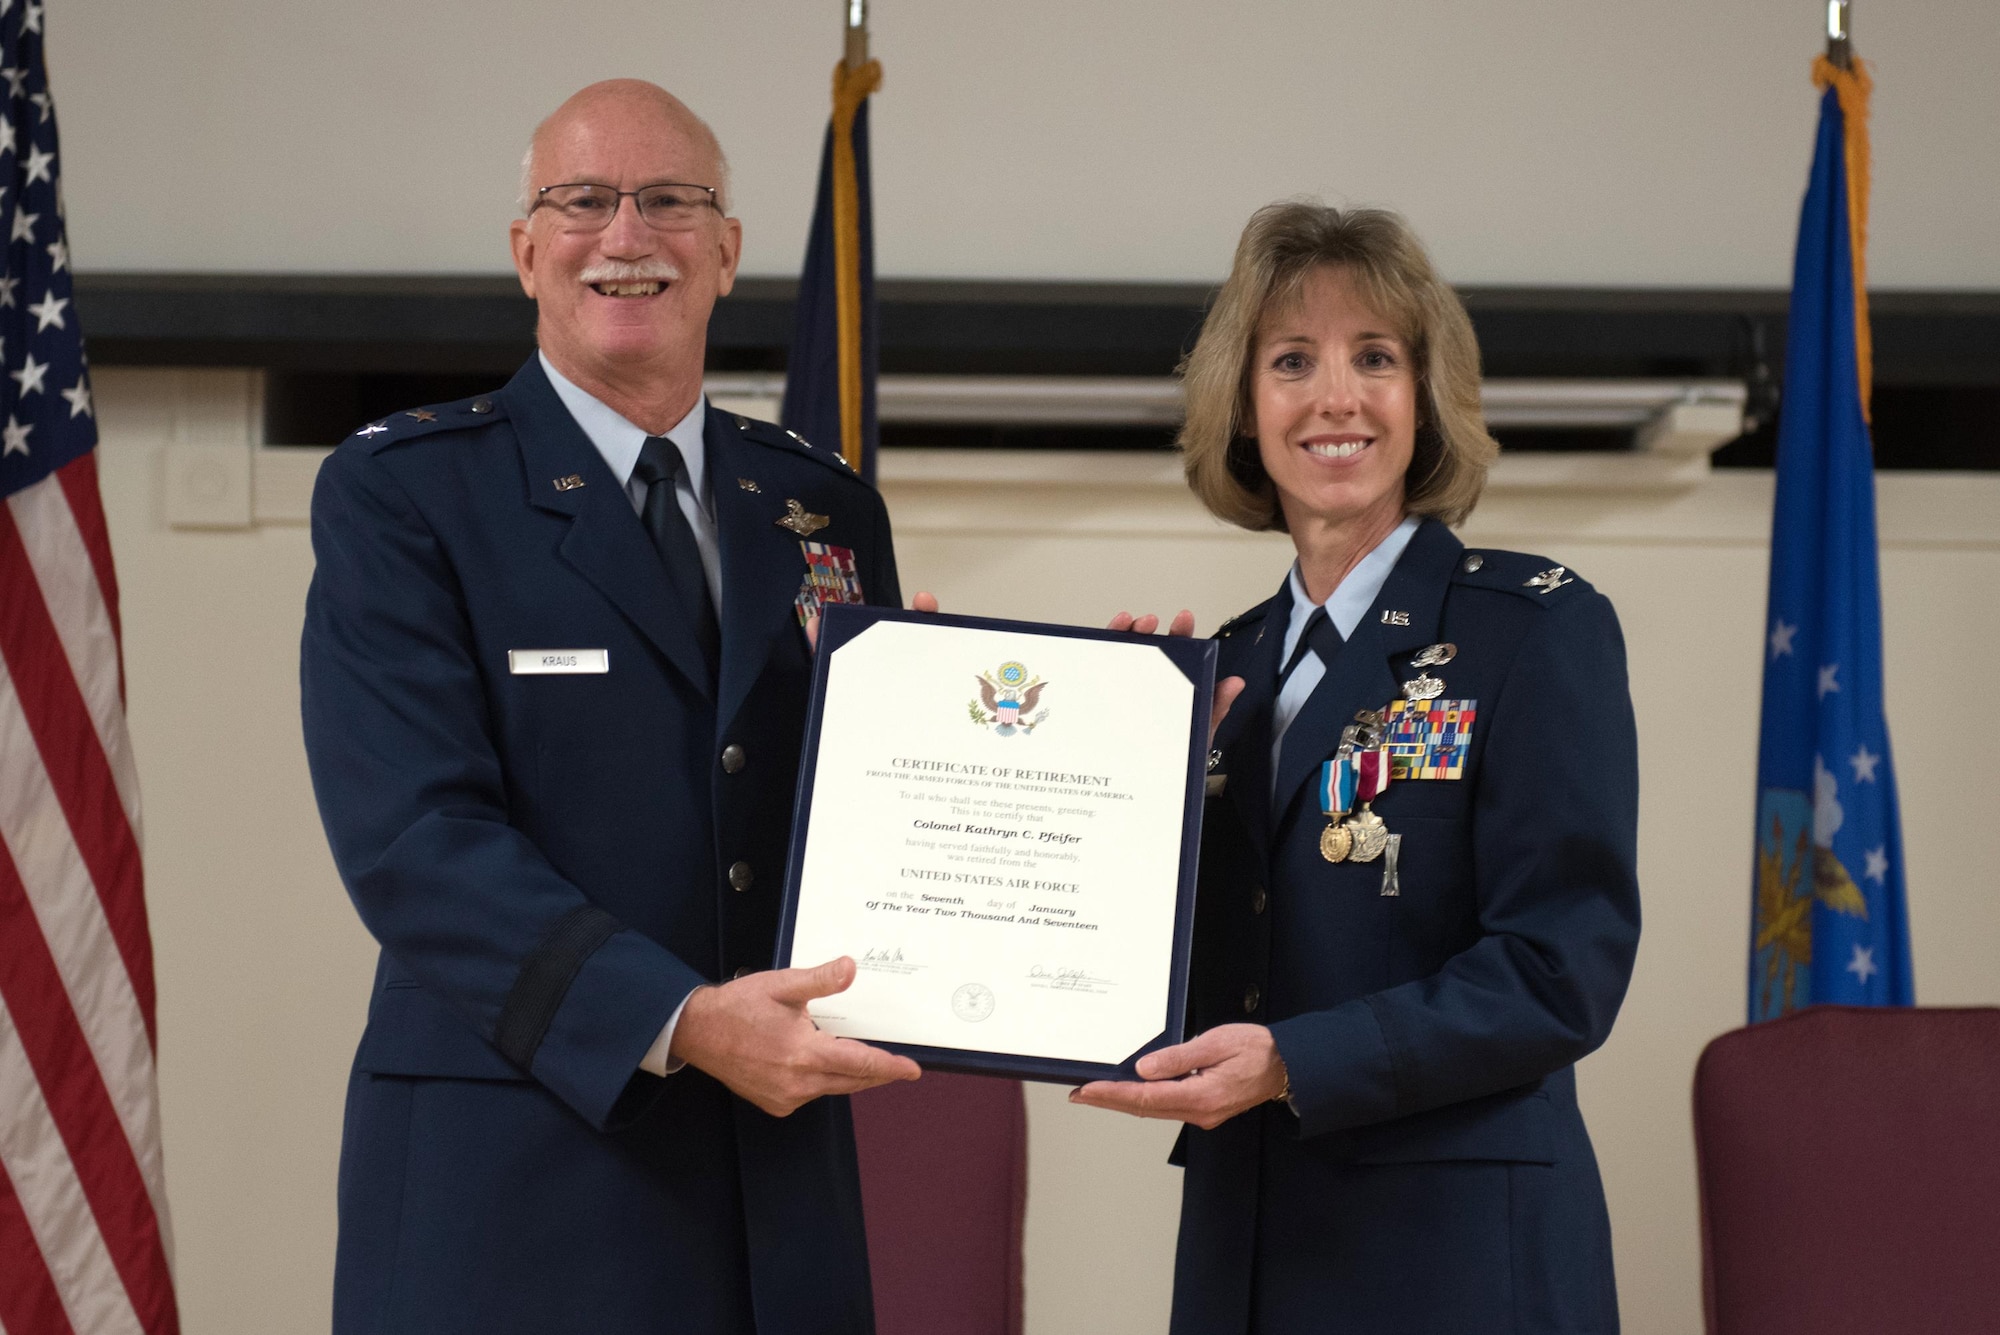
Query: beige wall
x=1543 y=141
x=264 y=970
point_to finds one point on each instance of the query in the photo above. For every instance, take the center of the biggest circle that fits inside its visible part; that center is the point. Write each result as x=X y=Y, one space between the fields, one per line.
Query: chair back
x=944 y=1184
x=1849 y=1159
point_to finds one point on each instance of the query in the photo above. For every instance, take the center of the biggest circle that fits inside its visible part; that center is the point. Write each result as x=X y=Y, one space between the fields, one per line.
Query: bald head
x=623 y=106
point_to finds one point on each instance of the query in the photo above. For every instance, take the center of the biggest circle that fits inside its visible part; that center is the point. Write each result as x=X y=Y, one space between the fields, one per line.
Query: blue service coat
x=547 y=863
x=1432 y=1173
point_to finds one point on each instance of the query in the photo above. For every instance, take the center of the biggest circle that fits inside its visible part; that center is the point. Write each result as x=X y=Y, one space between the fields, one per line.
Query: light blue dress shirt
x=1344 y=608
x=619 y=440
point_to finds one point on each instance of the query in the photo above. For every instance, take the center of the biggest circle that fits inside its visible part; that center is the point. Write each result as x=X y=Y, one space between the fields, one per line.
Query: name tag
x=546 y=662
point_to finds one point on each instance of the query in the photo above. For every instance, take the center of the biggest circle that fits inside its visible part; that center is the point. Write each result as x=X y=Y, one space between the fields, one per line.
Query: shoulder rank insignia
x=422 y=414
x=373 y=429
x=1550 y=580
x=801 y=520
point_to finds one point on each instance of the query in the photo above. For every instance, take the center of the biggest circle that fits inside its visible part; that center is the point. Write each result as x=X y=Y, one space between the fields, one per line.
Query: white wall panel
x=1552 y=141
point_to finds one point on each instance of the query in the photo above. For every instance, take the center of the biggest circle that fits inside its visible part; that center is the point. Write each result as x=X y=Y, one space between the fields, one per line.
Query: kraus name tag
x=548 y=662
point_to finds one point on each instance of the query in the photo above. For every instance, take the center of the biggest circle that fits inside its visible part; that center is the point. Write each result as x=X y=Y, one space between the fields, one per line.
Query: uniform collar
x=618 y=440
x=1348 y=603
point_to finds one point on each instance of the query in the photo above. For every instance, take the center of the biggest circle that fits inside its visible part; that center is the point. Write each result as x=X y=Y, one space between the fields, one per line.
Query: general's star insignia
x=373 y=429
x=422 y=415
x=801 y=520
x=1550 y=580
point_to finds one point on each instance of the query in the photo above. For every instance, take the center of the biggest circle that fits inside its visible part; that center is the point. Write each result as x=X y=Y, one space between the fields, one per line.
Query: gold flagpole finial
x=1839 y=48
x=857 y=32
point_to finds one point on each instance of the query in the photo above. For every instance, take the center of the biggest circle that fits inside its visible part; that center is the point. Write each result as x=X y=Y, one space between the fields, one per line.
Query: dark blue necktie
x=1320 y=636
x=660 y=466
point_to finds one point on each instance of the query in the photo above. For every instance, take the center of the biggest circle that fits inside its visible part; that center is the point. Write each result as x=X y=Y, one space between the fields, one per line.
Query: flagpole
x=857 y=32
x=1839 y=48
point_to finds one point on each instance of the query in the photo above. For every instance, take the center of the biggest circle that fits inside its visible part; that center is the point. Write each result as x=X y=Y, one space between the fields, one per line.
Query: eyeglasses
x=670 y=206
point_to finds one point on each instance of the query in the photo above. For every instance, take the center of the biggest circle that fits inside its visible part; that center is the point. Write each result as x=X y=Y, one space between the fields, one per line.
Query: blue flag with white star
x=45 y=394
x=1828 y=922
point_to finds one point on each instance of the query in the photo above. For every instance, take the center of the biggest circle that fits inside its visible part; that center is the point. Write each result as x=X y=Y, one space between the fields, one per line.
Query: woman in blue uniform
x=1418 y=906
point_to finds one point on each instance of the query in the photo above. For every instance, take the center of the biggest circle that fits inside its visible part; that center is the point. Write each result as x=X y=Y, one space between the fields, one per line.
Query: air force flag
x=1828 y=921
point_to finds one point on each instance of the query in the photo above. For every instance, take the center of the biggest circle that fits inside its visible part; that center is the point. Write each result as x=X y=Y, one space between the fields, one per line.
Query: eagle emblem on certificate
x=1007 y=701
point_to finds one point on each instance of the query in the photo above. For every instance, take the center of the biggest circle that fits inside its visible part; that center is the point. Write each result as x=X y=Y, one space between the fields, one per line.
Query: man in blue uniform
x=554 y=678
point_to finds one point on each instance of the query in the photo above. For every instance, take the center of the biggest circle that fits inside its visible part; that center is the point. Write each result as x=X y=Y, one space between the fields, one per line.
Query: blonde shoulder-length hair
x=1282 y=245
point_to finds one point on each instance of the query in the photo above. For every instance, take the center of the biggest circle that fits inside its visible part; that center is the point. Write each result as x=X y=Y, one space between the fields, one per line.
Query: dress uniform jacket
x=1432 y=1173
x=552 y=862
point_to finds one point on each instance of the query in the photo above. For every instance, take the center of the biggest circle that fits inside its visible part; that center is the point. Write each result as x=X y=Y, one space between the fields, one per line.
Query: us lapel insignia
x=1550 y=580
x=801 y=520
x=570 y=483
x=748 y=484
x=1395 y=618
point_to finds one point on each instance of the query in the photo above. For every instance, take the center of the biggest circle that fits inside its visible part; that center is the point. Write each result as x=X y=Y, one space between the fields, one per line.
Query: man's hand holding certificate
x=998 y=823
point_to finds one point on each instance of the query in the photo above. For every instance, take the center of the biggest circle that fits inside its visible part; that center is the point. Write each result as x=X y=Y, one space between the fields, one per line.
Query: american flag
x=84 y=1245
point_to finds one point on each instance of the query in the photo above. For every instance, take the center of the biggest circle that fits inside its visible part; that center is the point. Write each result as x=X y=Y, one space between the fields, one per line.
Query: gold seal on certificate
x=997 y=821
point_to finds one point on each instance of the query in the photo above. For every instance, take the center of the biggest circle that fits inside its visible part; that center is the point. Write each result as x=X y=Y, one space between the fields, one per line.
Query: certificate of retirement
x=998 y=822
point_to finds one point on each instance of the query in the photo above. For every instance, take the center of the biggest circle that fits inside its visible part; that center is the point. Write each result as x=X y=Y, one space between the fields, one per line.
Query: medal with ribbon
x=1370 y=835
x=1338 y=781
x=1355 y=776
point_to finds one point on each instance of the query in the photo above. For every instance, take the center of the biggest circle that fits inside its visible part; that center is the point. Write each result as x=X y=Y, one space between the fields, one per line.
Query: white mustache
x=630 y=271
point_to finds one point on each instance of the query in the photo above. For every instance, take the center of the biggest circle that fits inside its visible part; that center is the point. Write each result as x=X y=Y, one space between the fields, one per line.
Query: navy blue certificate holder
x=1196 y=658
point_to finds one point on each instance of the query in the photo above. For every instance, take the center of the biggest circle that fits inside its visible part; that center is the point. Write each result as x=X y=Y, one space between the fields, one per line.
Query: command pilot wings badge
x=1007 y=696
x=801 y=520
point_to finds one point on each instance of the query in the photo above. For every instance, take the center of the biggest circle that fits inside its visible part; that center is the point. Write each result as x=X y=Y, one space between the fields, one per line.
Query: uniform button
x=732 y=758
x=482 y=405
x=1259 y=901
x=1252 y=999
x=1473 y=562
x=743 y=972
x=740 y=875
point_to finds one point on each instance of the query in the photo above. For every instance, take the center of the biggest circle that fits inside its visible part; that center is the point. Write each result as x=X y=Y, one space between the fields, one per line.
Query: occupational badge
x=1007 y=699
x=801 y=520
x=1423 y=686
x=830 y=578
x=1436 y=655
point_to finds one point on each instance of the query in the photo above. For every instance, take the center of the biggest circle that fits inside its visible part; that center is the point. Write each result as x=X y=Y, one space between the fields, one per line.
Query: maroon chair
x=1850 y=1173
x=944 y=1181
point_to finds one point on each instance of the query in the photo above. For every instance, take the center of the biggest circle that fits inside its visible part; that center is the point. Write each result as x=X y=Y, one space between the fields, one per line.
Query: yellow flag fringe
x=851 y=87
x=1853 y=87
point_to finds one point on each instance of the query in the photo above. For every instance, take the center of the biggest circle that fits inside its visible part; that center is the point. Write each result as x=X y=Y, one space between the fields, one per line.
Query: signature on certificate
x=886 y=959
x=1062 y=978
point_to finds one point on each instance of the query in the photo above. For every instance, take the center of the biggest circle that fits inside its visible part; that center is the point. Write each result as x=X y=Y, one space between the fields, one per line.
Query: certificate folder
x=999 y=821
